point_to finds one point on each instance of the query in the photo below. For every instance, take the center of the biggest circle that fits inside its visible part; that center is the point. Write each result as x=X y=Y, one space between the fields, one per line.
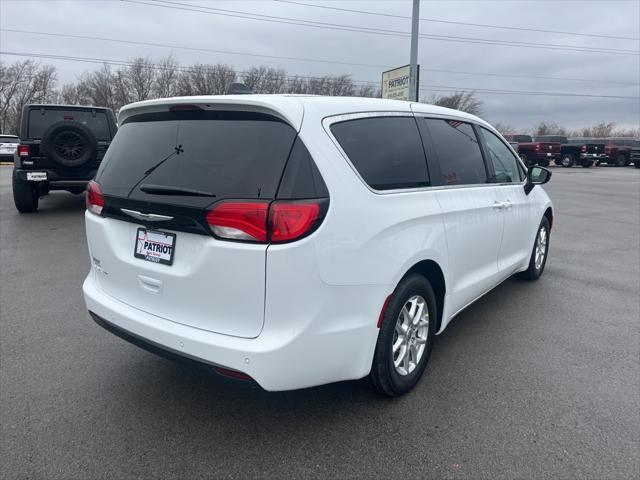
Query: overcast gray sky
x=173 y=25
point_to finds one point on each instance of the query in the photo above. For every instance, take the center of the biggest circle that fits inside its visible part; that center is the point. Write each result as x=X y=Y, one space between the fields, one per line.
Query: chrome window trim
x=327 y=122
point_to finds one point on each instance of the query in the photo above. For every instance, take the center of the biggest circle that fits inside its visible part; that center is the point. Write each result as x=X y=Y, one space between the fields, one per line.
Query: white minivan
x=302 y=240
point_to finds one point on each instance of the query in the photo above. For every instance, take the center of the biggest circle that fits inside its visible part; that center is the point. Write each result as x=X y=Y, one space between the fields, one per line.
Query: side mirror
x=536 y=176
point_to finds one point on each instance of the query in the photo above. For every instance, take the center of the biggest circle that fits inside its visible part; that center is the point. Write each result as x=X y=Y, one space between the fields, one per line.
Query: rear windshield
x=522 y=138
x=228 y=154
x=9 y=139
x=41 y=119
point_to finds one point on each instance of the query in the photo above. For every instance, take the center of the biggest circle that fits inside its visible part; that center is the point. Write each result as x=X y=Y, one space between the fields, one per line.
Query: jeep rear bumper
x=55 y=181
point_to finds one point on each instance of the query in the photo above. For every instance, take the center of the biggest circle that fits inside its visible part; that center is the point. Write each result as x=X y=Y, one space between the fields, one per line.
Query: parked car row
x=567 y=152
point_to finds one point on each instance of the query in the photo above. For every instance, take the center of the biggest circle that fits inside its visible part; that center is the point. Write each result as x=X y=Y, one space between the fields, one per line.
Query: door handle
x=499 y=205
x=507 y=204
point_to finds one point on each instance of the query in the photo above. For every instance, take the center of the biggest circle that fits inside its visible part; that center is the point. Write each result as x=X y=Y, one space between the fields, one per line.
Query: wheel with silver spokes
x=541 y=248
x=410 y=335
x=540 y=252
x=406 y=336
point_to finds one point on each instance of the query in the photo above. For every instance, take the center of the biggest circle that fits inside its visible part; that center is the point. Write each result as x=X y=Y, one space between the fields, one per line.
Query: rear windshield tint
x=41 y=119
x=9 y=140
x=229 y=154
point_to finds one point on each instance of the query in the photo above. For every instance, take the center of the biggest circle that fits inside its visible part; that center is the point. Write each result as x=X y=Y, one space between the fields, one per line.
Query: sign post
x=396 y=83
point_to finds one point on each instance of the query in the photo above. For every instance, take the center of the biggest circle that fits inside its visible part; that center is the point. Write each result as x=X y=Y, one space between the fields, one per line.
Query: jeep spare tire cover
x=69 y=143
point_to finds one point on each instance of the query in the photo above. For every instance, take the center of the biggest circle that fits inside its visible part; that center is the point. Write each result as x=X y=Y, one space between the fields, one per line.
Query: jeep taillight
x=583 y=149
x=264 y=222
x=23 y=151
x=537 y=147
x=95 y=200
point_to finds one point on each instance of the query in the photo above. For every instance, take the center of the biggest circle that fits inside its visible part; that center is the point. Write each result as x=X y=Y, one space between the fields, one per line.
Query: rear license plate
x=37 y=176
x=155 y=246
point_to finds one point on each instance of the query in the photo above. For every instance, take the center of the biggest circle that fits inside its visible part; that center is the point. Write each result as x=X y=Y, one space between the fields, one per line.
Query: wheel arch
x=549 y=214
x=432 y=271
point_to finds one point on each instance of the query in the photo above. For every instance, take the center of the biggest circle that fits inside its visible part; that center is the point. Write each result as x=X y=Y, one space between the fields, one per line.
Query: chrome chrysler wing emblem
x=147 y=217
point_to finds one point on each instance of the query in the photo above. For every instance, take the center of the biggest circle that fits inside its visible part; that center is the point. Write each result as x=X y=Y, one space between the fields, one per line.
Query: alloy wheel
x=410 y=335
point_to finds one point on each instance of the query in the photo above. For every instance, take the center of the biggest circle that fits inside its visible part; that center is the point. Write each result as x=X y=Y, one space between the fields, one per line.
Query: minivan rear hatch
x=161 y=175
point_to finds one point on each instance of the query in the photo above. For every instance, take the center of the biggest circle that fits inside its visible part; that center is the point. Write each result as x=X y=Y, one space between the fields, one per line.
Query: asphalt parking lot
x=535 y=380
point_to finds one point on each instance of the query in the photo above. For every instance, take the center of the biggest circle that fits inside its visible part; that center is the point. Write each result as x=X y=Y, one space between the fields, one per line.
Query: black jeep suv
x=60 y=149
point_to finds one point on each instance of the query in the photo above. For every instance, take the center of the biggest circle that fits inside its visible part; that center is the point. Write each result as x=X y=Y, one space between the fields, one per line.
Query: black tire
x=636 y=164
x=621 y=161
x=543 y=163
x=587 y=164
x=25 y=195
x=525 y=159
x=567 y=160
x=384 y=376
x=69 y=144
x=533 y=273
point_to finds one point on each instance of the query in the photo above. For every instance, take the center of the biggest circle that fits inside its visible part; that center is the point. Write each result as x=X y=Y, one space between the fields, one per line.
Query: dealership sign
x=395 y=83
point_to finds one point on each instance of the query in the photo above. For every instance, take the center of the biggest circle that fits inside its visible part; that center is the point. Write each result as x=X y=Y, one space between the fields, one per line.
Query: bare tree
x=23 y=82
x=368 y=91
x=464 y=101
x=202 y=79
x=140 y=78
x=265 y=80
x=549 y=128
x=504 y=128
x=600 y=130
x=166 y=82
x=99 y=86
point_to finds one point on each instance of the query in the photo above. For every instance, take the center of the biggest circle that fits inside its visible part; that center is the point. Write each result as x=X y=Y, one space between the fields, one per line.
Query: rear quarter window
x=386 y=151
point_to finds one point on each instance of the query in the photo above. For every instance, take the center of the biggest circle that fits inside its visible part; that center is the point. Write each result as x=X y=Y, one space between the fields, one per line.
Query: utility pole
x=413 y=74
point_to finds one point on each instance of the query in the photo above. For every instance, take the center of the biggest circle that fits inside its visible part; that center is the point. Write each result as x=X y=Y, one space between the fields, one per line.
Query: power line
x=195 y=49
x=363 y=82
x=308 y=60
x=376 y=31
x=450 y=22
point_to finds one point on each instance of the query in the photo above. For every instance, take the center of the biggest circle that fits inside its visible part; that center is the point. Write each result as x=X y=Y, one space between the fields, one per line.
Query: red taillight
x=537 y=147
x=261 y=222
x=289 y=221
x=240 y=221
x=23 y=150
x=95 y=200
x=583 y=149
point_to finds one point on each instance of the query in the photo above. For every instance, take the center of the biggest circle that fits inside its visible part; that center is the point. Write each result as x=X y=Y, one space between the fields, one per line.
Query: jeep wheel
x=543 y=163
x=587 y=163
x=621 y=161
x=25 y=195
x=567 y=161
x=525 y=159
x=69 y=143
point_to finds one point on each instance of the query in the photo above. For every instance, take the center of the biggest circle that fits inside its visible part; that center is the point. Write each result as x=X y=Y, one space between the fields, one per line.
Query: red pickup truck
x=617 y=150
x=532 y=153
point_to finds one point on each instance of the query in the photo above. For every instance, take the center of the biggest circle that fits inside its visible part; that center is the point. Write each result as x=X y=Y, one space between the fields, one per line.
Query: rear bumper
x=278 y=360
x=55 y=181
x=547 y=156
x=594 y=156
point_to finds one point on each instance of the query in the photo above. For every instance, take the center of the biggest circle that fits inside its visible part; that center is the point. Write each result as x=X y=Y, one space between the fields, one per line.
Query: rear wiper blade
x=168 y=190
